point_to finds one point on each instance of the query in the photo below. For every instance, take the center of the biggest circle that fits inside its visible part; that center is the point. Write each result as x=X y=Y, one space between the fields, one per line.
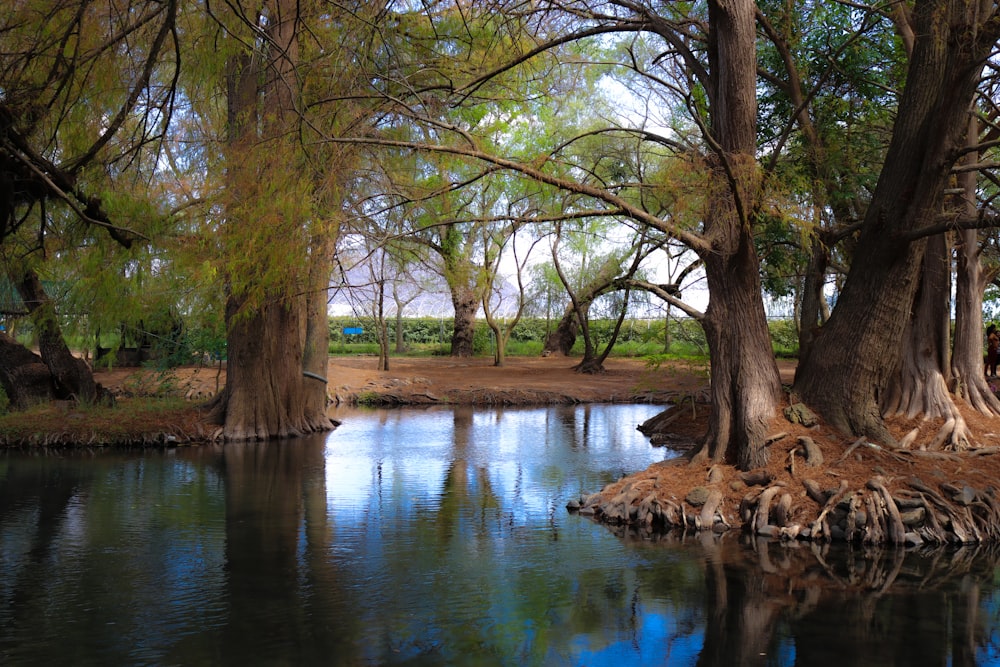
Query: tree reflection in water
x=440 y=537
x=781 y=603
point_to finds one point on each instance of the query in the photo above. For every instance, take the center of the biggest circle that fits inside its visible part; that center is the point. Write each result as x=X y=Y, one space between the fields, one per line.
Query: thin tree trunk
x=812 y=296
x=71 y=376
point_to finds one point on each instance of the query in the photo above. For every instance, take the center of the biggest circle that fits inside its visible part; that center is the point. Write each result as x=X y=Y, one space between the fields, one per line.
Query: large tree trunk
x=24 y=377
x=267 y=392
x=745 y=383
x=72 y=377
x=921 y=384
x=854 y=356
x=970 y=283
x=264 y=395
x=465 y=302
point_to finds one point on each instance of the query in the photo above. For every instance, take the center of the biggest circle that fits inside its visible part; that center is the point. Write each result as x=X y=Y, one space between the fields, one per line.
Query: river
x=439 y=537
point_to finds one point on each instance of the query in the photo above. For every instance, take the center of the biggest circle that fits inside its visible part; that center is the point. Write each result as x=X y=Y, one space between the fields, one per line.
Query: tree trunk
x=500 y=345
x=745 y=382
x=381 y=327
x=970 y=283
x=921 y=384
x=400 y=341
x=745 y=385
x=24 y=377
x=466 y=303
x=563 y=338
x=71 y=376
x=316 y=343
x=854 y=356
x=265 y=395
x=812 y=296
x=267 y=323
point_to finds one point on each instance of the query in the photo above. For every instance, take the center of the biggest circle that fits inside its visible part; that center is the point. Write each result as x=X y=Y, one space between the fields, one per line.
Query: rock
x=798 y=413
x=913 y=517
x=697 y=496
x=769 y=530
x=966 y=496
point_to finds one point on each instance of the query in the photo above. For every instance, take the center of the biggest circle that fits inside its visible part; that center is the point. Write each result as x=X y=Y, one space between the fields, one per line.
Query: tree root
x=914 y=513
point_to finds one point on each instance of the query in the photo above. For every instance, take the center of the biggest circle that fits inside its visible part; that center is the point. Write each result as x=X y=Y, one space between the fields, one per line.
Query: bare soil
x=419 y=380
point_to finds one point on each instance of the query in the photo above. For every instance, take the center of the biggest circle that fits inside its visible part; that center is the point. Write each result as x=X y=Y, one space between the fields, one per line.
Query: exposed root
x=926 y=394
x=948 y=502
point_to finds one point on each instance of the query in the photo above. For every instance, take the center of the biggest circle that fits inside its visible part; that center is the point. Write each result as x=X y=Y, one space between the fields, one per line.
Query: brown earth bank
x=819 y=485
x=352 y=380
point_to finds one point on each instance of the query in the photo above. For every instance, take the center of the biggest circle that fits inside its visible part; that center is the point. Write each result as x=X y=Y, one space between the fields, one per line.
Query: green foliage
x=637 y=338
x=4 y=401
x=784 y=337
x=368 y=398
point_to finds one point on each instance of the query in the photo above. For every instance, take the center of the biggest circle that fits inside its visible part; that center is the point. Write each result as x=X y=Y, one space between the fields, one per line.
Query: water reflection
x=438 y=537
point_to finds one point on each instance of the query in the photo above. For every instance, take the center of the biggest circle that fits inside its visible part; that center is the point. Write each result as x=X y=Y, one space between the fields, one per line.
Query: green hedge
x=430 y=335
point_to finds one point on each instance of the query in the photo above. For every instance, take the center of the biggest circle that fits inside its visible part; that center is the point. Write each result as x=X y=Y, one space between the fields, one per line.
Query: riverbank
x=818 y=485
x=157 y=408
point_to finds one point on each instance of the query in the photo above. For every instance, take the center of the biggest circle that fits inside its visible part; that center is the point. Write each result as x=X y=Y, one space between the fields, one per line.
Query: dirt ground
x=522 y=380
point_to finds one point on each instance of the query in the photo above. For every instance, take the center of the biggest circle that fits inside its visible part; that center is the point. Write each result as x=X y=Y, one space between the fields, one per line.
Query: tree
x=88 y=93
x=972 y=277
x=848 y=382
x=268 y=211
x=745 y=387
x=500 y=323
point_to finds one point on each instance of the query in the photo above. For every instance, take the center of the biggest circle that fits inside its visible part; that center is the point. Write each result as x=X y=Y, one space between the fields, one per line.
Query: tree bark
x=465 y=301
x=812 y=296
x=24 y=377
x=970 y=283
x=72 y=377
x=264 y=395
x=316 y=343
x=848 y=368
x=745 y=382
x=921 y=384
x=267 y=393
x=563 y=337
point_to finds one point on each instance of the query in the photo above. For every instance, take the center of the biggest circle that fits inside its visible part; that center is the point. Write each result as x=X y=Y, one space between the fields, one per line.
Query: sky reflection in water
x=437 y=537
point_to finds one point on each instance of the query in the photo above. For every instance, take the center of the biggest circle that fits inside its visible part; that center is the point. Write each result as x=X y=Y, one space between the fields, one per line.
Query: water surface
x=436 y=537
